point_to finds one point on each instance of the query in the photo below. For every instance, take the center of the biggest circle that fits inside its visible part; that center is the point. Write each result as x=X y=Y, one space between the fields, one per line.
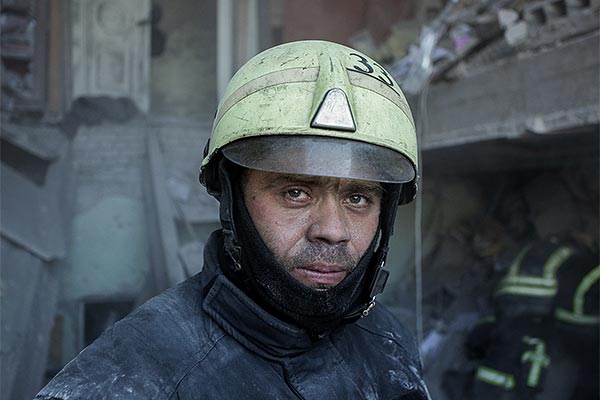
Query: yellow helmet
x=315 y=108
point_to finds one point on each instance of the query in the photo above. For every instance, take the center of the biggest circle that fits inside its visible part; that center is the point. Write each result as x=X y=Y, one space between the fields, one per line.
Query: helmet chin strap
x=232 y=247
x=375 y=276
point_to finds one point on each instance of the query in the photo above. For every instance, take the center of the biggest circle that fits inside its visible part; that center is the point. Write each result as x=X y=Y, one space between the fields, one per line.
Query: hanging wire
x=422 y=127
x=418 y=80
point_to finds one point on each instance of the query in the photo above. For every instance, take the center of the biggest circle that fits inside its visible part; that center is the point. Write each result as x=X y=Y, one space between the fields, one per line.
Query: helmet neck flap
x=252 y=267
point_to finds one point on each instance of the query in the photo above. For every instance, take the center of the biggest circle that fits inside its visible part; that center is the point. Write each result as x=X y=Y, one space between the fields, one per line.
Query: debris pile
x=465 y=36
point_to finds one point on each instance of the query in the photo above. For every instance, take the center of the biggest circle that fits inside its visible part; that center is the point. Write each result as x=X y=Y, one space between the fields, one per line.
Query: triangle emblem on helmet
x=334 y=112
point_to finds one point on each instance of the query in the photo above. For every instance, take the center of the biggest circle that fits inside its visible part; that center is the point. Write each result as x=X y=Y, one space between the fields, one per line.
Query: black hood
x=280 y=293
x=253 y=268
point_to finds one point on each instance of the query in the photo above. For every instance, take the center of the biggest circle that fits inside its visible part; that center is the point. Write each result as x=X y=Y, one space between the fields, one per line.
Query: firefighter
x=518 y=353
x=313 y=147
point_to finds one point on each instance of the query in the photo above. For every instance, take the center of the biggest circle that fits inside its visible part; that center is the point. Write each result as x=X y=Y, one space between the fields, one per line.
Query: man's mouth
x=320 y=275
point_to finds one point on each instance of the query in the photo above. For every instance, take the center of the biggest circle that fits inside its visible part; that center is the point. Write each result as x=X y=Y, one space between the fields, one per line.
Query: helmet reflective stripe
x=292 y=75
x=526 y=285
x=577 y=316
x=495 y=377
x=364 y=82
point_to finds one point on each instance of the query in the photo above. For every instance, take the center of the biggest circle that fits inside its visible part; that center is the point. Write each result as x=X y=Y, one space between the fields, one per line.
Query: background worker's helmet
x=315 y=108
x=531 y=283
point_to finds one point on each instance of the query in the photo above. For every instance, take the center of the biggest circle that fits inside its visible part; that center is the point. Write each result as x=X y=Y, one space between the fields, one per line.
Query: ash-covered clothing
x=205 y=339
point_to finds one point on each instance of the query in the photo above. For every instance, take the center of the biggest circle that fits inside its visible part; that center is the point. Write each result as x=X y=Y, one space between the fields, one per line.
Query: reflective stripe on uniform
x=577 y=316
x=514 y=268
x=556 y=259
x=572 y=318
x=538 y=358
x=523 y=280
x=535 y=286
x=532 y=291
x=582 y=289
x=496 y=378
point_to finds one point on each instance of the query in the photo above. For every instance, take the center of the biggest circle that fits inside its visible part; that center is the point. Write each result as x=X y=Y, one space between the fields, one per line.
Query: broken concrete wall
x=183 y=76
x=36 y=206
x=107 y=258
x=29 y=295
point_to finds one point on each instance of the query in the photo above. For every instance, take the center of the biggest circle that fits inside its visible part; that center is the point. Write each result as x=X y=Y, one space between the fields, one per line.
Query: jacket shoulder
x=389 y=350
x=382 y=322
x=123 y=361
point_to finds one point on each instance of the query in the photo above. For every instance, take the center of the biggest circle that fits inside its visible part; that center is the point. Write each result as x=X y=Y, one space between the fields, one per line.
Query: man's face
x=318 y=228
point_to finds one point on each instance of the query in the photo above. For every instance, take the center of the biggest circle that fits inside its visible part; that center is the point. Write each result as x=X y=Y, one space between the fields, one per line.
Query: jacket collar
x=242 y=318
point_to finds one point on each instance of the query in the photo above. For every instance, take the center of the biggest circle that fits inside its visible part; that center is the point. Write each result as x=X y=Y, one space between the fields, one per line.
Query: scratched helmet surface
x=315 y=108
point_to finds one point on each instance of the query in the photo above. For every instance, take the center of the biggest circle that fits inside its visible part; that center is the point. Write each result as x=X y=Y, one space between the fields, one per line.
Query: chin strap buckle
x=370 y=305
x=379 y=282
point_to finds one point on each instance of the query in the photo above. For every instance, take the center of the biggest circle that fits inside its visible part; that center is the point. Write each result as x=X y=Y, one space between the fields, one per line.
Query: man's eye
x=297 y=194
x=357 y=199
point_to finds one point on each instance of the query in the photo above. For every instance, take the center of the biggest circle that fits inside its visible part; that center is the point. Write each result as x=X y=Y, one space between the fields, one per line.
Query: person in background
x=542 y=342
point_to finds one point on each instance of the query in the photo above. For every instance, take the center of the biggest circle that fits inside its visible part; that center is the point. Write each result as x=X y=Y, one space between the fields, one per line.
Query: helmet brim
x=321 y=156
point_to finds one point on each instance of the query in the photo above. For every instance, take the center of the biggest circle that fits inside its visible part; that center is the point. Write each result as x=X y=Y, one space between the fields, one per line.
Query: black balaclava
x=255 y=270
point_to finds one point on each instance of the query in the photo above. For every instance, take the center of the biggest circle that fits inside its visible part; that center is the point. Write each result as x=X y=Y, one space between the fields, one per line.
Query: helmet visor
x=321 y=156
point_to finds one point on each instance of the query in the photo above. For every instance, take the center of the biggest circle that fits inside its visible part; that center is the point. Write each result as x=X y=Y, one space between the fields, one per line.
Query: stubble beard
x=319 y=252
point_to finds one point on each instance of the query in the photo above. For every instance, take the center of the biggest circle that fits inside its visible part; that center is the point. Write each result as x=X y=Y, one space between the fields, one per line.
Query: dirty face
x=317 y=228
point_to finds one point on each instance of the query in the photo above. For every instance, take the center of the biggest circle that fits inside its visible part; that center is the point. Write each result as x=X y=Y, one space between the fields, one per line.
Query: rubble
x=516 y=34
x=483 y=32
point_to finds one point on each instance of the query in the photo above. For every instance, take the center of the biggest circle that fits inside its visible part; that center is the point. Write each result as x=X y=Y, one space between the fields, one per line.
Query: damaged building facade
x=107 y=106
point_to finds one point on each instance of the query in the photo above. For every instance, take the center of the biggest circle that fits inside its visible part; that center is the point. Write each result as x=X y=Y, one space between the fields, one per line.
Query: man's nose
x=329 y=223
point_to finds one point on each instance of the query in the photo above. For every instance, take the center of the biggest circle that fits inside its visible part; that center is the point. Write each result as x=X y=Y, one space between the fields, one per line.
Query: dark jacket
x=205 y=339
